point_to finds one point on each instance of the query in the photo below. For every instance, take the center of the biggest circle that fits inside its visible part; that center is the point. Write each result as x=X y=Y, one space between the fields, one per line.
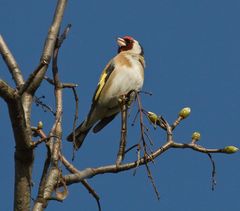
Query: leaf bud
x=40 y=125
x=185 y=112
x=230 y=149
x=196 y=136
x=153 y=118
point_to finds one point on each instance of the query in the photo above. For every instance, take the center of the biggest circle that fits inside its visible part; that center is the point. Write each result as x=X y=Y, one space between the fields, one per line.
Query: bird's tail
x=79 y=136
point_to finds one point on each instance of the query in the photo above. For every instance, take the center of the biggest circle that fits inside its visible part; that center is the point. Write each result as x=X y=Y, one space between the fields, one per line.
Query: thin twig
x=148 y=138
x=135 y=118
x=94 y=194
x=43 y=105
x=142 y=126
x=69 y=85
x=63 y=35
x=75 y=121
x=130 y=148
x=152 y=180
x=146 y=92
x=130 y=107
x=49 y=80
x=176 y=122
x=41 y=140
x=214 y=181
x=138 y=159
x=63 y=85
x=84 y=182
x=196 y=148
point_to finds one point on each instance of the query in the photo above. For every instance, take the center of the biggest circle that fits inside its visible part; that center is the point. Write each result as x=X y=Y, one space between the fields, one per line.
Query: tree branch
x=35 y=79
x=84 y=182
x=54 y=175
x=197 y=148
x=123 y=139
x=91 y=172
x=11 y=63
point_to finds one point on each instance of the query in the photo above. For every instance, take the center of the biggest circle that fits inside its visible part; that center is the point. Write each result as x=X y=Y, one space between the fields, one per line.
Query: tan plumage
x=124 y=73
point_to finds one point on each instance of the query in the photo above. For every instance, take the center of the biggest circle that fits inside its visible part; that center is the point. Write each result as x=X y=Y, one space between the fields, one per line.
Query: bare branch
x=130 y=148
x=91 y=172
x=176 y=122
x=43 y=105
x=49 y=184
x=152 y=181
x=123 y=105
x=75 y=121
x=214 y=182
x=84 y=182
x=197 y=148
x=11 y=63
x=64 y=85
x=66 y=163
x=35 y=79
x=51 y=48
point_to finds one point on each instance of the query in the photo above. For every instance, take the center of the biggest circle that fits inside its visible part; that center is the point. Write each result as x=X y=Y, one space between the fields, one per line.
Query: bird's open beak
x=121 y=42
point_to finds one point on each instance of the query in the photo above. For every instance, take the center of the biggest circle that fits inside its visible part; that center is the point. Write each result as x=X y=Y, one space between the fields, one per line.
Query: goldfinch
x=124 y=73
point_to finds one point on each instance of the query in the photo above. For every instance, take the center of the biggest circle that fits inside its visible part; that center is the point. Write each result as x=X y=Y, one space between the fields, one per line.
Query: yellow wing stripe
x=103 y=79
x=100 y=84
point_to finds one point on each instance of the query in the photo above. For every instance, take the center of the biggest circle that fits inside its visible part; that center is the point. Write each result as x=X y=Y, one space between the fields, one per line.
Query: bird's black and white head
x=130 y=45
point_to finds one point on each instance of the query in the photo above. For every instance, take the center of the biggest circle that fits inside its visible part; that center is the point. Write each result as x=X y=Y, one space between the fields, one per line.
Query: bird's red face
x=125 y=43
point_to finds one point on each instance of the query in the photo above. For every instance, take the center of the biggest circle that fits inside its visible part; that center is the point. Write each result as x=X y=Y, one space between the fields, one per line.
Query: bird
x=123 y=74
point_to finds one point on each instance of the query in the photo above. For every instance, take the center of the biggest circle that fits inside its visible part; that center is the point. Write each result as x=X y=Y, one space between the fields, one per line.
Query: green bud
x=40 y=125
x=196 y=136
x=185 y=112
x=230 y=149
x=153 y=118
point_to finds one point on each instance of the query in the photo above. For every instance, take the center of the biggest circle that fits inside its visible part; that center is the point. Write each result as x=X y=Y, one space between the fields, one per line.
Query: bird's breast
x=122 y=80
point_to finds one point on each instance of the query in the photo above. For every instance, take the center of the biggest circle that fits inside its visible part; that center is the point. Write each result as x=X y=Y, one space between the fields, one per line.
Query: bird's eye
x=128 y=41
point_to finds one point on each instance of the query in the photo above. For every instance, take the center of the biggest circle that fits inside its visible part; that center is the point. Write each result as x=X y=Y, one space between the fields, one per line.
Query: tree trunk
x=23 y=174
x=23 y=155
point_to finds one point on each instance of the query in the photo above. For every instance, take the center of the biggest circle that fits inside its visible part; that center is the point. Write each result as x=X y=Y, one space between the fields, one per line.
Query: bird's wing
x=102 y=80
x=101 y=124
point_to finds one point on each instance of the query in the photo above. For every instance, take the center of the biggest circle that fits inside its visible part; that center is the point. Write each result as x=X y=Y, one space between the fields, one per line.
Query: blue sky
x=192 y=55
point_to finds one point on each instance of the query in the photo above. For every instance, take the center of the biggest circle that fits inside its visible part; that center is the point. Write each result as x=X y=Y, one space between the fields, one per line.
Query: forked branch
x=169 y=144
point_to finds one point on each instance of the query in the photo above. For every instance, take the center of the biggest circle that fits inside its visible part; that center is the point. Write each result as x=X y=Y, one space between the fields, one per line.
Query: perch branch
x=122 y=146
x=91 y=172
